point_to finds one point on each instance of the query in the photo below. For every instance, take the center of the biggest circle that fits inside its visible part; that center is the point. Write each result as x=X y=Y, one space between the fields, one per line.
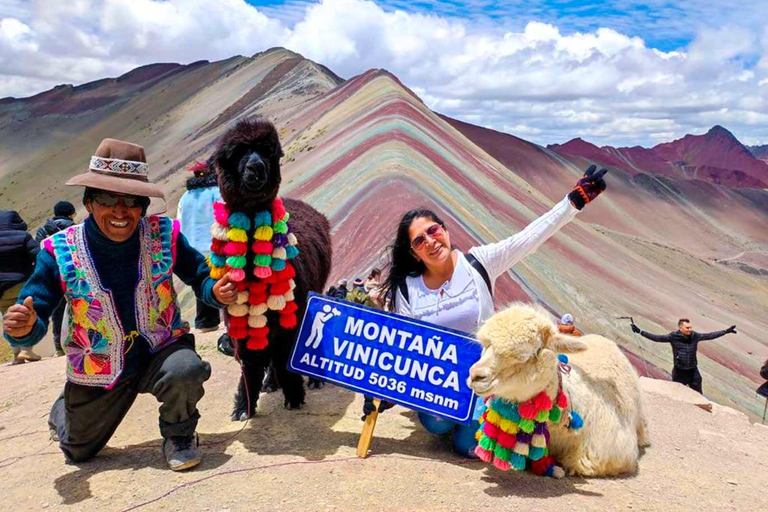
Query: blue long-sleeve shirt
x=117 y=264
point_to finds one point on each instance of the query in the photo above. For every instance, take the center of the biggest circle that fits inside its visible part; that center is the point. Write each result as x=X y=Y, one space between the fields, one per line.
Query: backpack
x=403 y=286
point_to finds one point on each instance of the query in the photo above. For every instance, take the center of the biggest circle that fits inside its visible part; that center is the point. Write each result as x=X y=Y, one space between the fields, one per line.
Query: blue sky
x=618 y=72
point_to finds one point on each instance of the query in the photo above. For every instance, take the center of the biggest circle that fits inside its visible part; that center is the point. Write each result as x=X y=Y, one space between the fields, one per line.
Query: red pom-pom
x=527 y=410
x=258 y=332
x=217 y=246
x=256 y=343
x=258 y=287
x=288 y=321
x=238 y=333
x=490 y=429
x=280 y=288
x=542 y=402
x=262 y=247
x=539 y=467
x=290 y=307
x=254 y=299
x=278 y=210
x=504 y=439
x=562 y=400
x=241 y=286
x=238 y=322
x=235 y=248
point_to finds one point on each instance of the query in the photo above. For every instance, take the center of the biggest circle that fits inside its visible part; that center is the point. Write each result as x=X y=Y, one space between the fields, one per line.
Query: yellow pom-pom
x=493 y=417
x=258 y=309
x=219 y=232
x=478 y=435
x=256 y=321
x=276 y=302
x=263 y=233
x=237 y=309
x=508 y=426
x=237 y=235
x=279 y=253
x=217 y=272
x=242 y=297
x=292 y=239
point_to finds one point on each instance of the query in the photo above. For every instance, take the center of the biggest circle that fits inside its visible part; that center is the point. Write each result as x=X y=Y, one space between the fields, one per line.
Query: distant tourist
x=63 y=217
x=566 y=326
x=433 y=282
x=685 y=342
x=126 y=335
x=358 y=295
x=18 y=251
x=341 y=290
x=373 y=287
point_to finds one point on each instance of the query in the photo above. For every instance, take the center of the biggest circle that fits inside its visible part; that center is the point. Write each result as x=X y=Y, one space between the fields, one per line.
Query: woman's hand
x=20 y=319
x=588 y=187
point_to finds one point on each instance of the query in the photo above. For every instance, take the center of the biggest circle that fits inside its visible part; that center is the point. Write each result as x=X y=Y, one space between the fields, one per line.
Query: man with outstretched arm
x=685 y=343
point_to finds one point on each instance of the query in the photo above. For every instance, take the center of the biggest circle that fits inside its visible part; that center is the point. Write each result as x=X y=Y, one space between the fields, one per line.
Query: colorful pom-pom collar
x=512 y=434
x=271 y=285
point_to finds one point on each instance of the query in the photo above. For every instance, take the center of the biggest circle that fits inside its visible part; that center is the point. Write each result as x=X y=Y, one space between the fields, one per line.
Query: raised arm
x=658 y=338
x=705 y=336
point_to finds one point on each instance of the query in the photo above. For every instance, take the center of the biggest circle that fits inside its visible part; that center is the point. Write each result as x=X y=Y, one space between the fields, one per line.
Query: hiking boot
x=208 y=329
x=181 y=452
x=16 y=361
x=225 y=345
x=28 y=355
x=58 y=353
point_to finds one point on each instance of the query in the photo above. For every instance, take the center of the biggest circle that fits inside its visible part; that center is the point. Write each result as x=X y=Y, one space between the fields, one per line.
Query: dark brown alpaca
x=247 y=164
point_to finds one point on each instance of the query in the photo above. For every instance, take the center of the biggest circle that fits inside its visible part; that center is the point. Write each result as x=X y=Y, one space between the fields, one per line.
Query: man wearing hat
x=63 y=217
x=126 y=335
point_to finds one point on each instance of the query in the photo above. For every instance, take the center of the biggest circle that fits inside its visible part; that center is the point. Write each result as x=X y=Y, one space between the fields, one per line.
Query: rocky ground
x=305 y=460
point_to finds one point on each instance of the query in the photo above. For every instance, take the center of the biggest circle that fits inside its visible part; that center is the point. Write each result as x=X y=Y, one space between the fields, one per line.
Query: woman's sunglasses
x=105 y=199
x=433 y=231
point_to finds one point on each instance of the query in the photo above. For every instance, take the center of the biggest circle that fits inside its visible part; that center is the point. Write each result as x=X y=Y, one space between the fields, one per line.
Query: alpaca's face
x=248 y=164
x=518 y=358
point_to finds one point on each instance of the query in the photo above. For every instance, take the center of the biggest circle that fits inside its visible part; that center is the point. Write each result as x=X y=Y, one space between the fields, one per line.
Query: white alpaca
x=519 y=360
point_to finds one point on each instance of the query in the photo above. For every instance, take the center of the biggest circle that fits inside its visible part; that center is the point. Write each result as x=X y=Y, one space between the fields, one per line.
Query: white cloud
x=534 y=78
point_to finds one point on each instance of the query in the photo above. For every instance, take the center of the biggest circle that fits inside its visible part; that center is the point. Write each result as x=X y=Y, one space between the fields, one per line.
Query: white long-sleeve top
x=464 y=302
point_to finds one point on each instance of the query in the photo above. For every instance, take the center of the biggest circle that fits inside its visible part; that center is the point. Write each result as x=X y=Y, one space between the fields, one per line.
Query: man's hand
x=20 y=319
x=225 y=290
x=731 y=330
x=635 y=328
x=588 y=187
x=369 y=407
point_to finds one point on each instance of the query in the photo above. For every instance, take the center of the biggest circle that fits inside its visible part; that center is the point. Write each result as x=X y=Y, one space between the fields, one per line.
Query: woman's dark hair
x=402 y=263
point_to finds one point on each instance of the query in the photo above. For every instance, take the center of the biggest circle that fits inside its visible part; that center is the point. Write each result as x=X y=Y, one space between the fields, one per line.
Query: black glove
x=635 y=328
x=588 y=187
x=731 y=329
x=368 y=406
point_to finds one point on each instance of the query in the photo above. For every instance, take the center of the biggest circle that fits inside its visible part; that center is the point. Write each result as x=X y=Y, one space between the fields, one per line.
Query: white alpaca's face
x=519 y=355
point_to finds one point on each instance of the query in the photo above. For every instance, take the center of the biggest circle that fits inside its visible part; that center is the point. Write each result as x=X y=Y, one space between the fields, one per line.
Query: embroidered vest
x=95 y=344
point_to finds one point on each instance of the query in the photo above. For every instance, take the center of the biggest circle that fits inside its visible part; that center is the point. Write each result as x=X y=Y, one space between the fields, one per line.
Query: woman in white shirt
x=431 y=281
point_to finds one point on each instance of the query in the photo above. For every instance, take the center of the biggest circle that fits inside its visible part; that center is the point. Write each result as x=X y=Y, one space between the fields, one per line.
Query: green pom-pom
x=555 y=414
x=527 y=426
x=263 y=260
x=502 y=453
x=281 y=227
x=542 y=416
x=236 y=261
x=536 y=453
x=517 y=461
x=487 y=443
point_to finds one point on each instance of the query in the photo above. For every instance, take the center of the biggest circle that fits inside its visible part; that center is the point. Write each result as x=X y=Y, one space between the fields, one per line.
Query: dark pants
x=206 y=316
x=85 y=417
x=690 y=378
x=57 y=318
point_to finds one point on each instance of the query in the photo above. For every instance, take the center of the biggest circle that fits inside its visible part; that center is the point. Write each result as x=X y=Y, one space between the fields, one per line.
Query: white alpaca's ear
x=565 y=344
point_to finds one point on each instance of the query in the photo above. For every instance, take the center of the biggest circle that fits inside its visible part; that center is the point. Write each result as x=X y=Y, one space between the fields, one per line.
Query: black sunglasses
x=432 y=231
x=107 y=199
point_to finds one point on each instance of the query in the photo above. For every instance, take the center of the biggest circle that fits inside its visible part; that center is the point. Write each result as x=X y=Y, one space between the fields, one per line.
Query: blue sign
x=412 y=363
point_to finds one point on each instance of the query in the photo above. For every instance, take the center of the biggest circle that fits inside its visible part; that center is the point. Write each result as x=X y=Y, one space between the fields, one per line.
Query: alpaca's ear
x=564 y=343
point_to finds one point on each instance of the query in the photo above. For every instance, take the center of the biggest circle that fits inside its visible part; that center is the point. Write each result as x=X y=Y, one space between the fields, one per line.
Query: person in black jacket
x=63 y=217
x=685 y=342
x=18 y=251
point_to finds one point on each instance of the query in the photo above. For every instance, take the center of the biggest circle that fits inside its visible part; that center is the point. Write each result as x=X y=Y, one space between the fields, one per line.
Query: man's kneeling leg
x=84 y=418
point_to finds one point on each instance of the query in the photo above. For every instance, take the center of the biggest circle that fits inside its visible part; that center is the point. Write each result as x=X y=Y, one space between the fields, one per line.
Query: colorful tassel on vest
x=512 y=434
x=271 y=285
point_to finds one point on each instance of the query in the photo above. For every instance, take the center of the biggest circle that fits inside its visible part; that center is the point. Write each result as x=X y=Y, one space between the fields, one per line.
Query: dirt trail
x=305 y=460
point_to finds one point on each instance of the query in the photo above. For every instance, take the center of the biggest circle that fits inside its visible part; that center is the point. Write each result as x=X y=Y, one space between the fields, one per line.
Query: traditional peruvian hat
x=119 y=167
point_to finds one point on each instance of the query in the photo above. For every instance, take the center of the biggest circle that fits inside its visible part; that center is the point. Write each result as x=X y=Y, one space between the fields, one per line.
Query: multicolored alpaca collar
x=511 y=434
x=271 y=285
